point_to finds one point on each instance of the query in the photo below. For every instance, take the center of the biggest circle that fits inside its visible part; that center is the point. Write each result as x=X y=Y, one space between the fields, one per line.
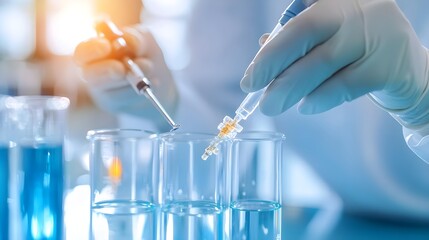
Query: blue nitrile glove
x=106 y=76
x=339 y=50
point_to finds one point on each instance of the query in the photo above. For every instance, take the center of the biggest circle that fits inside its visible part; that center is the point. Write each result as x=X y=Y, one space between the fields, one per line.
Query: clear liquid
x=197 y=220
x=42 y=191
x=4 y=183
x=255 y=220
x=129 y=220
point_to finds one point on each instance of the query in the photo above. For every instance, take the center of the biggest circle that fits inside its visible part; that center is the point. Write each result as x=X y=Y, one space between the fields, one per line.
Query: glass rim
x=119 y=133
x=30 y=101
x=260 y=136
x=243 y=136
x=186 y=136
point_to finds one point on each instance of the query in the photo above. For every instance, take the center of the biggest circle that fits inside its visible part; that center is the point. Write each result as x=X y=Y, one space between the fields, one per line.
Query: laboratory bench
x=304 y=223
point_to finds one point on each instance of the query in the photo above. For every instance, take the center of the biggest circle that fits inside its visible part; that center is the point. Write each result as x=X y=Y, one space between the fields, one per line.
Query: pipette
x=139 y=82
x=229 y=127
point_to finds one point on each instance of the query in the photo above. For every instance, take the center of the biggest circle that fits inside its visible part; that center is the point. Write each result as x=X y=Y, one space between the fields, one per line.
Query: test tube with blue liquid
x=4 y=172
x=4 y=189
x=38 y=126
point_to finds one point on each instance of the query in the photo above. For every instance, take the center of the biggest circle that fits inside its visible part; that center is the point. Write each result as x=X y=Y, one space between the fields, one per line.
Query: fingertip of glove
x=244 y=84
x=247 y=83
x=304 y=108
x=270 y=108
x=308 y=108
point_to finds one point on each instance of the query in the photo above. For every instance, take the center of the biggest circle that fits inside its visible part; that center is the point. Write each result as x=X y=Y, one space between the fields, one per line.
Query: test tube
x=37 y=130
x=124 y=180
x=195 y=193
x=256 y=159
x=4 y=172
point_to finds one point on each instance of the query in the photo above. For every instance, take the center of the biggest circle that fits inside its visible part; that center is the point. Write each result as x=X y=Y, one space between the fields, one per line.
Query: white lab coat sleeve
x=418 y=141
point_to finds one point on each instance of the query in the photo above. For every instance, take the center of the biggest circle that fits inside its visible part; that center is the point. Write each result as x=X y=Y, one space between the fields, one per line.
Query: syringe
x=139 y=82
x=229 y=127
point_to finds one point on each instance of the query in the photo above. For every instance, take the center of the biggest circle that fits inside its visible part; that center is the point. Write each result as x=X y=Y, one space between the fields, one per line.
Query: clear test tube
x=256 y=159
x=124 y=179
x=194 y=193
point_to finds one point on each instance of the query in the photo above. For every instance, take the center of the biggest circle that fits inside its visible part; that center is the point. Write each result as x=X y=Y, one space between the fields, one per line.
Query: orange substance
x=115 y=170
x=227 y=128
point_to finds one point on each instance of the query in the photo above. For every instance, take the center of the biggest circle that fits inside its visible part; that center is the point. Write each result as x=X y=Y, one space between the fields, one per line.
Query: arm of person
x=336 y=51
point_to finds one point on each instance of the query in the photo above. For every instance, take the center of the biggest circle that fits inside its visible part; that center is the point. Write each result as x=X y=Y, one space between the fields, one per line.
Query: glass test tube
x=256 y=185
x=195 y=193
x=37 y=130
x=124 y=180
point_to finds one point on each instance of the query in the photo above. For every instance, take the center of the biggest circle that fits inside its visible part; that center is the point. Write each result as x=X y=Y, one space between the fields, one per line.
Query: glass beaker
x=256 y=185
x=124 y=179
x=195 y=192
x=4 y=171
x=37 y=130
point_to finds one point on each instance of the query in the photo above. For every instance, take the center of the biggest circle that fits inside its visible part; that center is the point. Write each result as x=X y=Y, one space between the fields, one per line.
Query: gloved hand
x=106 y=77
x=339 y=50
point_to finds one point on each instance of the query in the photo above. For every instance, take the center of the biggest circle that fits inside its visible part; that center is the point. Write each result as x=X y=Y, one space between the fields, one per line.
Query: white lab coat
x=356 y=148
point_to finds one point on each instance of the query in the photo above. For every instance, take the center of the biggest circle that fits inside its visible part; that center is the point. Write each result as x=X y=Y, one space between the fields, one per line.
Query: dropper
x=139 y=82
x=229 y=127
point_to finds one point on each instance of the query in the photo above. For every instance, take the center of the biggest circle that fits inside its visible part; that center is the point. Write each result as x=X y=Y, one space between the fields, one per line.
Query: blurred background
x=37 y=41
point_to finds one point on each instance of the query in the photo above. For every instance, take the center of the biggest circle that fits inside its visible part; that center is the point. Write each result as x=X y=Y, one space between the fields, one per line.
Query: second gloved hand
x=339 y=50
x=106 y=76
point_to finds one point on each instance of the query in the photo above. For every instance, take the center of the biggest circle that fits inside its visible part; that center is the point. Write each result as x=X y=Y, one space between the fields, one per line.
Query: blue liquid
x=117 y=220
x=4 y=183
x=199 y=220
x=255 y=220
x=42 y=191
